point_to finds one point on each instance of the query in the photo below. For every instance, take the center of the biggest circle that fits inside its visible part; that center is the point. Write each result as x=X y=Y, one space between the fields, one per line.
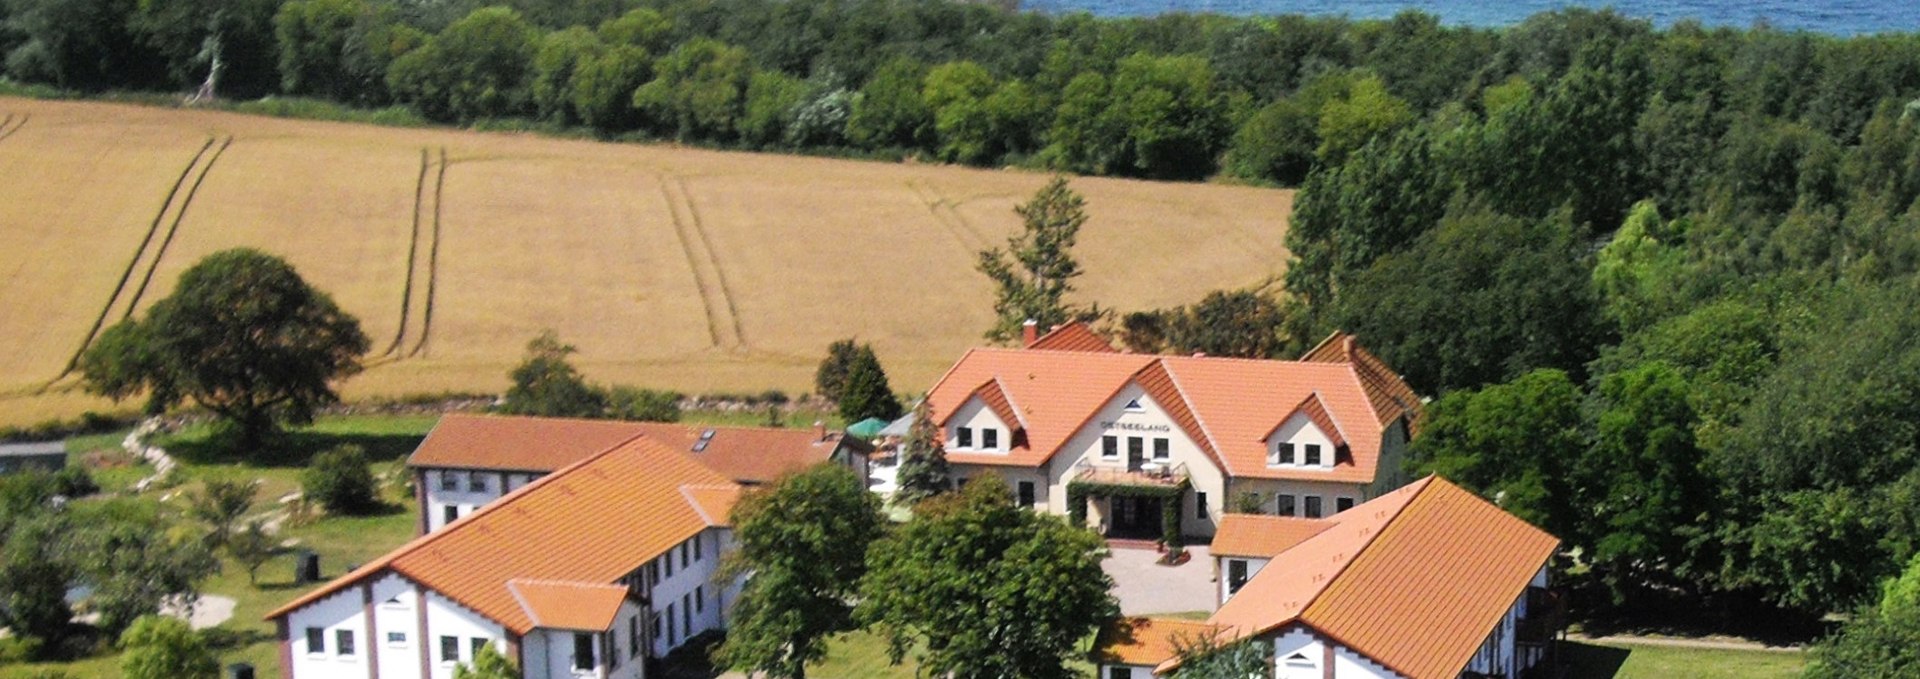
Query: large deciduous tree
x=1482 y=298
x=1034 y=273
x=546 y=384
x=481 y=66
x=983 y=588
x=243 y=336
x=1514 y=443
x=803 y=546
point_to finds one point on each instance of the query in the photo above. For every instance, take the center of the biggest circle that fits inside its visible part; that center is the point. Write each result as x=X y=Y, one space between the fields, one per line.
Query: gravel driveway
x=1144 y=587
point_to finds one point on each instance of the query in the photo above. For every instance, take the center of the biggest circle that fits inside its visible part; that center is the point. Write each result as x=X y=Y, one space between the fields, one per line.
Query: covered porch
x=1140 y=503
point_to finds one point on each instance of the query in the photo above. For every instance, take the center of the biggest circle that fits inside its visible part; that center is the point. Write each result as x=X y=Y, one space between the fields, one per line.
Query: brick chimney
x=1029 y=332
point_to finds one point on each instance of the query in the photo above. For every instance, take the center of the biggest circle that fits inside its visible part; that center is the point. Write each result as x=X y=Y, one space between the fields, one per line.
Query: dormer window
x=990 y=438
x=1313 y=455
x=1284 y=454
x=964 y=438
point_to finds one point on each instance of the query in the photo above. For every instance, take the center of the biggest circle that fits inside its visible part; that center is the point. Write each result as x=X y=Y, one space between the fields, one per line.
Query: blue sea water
x=1837 y=17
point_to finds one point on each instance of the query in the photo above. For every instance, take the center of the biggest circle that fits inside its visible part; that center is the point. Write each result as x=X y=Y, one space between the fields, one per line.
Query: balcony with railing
x=1159 y=474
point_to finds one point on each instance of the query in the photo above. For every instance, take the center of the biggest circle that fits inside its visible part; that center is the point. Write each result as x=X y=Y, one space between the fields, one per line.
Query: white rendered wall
x=1329 y=493
x=1221 y=571
x=1150 y=422
x=976 y=415
x=446 y=618
x=695 y=576
x=1133 y=672
x=465 y=500
x=344 y=610
x=554 y=657
x=395 y=611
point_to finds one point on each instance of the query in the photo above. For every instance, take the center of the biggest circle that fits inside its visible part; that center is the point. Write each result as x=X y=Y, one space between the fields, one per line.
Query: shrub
x=341 y=481
x=644 y=405
x=166 y=648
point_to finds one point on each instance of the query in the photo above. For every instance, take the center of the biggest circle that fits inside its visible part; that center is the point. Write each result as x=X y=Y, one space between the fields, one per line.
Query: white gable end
x=1299 y=432
x=984 y=432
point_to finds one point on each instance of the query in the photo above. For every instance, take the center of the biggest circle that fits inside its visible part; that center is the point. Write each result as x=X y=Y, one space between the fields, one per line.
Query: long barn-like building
x=585 y=572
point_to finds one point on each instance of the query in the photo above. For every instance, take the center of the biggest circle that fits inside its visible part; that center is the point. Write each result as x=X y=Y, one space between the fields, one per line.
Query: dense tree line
x=1662 y=285
x=1267 y=99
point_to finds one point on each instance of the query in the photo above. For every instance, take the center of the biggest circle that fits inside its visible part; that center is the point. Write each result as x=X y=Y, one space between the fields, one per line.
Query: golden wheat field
x=668 y=267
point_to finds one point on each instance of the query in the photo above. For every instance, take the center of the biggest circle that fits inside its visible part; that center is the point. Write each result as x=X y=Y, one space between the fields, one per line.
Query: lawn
x=1595 y=661
x=340 y=541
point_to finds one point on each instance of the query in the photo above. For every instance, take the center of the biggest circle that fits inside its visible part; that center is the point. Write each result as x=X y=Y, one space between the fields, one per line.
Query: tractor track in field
x=8 y=131
x=433 y=260
x=413 y=256
x=133 y=262
x=949 y=218
x=716 y=294
x=173 y=229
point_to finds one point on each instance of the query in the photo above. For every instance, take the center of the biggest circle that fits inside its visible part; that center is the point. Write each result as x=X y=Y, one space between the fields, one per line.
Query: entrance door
x=1136 y=453
x=1135 y=517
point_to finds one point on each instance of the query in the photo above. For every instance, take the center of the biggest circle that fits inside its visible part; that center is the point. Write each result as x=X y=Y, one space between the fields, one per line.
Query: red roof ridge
x=1208 y=444
x=949 y=373
x=686 y=492
x=1336 y=351
x=423 y=541
x=1073 y=336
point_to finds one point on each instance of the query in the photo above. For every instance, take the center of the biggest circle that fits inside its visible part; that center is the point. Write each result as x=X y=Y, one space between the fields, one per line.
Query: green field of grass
x=1596 y=661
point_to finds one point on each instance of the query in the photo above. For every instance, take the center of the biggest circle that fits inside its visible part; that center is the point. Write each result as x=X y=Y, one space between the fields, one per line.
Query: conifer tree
x=923 y=460
x=866 y=392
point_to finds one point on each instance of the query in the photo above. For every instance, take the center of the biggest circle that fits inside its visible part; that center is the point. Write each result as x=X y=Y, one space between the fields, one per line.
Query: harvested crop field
x=668 y=267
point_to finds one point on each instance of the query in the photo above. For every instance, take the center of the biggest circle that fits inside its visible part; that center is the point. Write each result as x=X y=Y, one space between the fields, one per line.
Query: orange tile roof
x=1075 y=336
x=1414 y=579
x=1391 y=396
x=748 y=454
x=534 y=444
x=996 y=399
x=541 y=444
x=1054 y=392
x=1262 y=536
x=1316 y=410
x=621 y=508
x=1228 y=405
x=1241 y=401
x=1146 y=641
x=581 y=606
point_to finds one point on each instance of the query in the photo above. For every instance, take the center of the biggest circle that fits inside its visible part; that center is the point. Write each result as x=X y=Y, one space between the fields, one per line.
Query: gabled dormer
x=1307 y=438
x=986 y=422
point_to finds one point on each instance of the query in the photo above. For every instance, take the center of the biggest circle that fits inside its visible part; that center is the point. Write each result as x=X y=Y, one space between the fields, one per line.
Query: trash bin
x=306 y=567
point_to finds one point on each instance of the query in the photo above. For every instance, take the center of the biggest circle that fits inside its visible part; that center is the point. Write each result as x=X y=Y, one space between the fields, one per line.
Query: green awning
x=867 y=428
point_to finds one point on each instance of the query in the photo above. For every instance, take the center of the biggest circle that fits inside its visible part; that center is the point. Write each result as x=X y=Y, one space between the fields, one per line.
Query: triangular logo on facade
x=1135 y=405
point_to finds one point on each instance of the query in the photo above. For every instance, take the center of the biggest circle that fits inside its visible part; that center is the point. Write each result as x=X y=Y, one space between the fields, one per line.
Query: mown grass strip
x=413 y=255
x=134 y=262
x=433 y=258
x=174 y=228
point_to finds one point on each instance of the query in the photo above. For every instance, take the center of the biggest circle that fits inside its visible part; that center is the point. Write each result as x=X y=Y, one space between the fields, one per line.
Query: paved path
x=211 y=610
x=1718 y=643
x=1145 y=587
